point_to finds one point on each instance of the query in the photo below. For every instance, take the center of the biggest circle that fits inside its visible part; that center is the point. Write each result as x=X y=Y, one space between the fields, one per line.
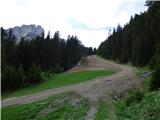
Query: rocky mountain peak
x=28 y=32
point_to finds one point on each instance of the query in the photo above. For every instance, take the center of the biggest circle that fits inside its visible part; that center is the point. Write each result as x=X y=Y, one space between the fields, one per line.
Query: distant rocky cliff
x=28 y=32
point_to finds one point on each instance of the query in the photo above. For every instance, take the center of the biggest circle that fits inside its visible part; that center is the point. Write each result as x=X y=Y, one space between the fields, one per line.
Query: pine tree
x=34 y=75
x=155 y=83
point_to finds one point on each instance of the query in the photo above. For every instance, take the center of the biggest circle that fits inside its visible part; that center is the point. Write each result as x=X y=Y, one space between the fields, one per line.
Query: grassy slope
x=147 y=109
x=58 y=80
x=143 y=105
x=66 y=111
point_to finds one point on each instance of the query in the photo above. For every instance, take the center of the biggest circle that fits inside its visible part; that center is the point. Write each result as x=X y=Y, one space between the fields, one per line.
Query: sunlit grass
x=58 y=80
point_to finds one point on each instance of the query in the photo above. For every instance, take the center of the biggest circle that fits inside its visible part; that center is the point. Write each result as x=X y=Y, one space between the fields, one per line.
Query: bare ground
x=105 y=88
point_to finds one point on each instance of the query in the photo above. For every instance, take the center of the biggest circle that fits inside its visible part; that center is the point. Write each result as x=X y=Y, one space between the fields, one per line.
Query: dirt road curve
x=104 y=88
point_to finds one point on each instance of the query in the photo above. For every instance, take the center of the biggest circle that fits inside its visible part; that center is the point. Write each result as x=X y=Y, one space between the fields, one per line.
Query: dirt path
x=104 y=88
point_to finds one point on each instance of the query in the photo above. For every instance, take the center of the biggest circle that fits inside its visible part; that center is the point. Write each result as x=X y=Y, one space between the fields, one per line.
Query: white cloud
x=54 y=15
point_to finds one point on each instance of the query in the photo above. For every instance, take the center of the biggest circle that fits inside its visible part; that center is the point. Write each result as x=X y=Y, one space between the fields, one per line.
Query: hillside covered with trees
x=23 y=62
x=138 y=42
x=48 y=77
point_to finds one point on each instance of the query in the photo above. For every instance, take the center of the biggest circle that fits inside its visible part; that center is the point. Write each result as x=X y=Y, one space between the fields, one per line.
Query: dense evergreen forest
x=24 y=62
x=138 y=42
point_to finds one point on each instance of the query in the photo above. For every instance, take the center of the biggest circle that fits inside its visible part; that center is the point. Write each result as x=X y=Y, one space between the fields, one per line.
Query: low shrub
x=155 y=82
x=134 y=97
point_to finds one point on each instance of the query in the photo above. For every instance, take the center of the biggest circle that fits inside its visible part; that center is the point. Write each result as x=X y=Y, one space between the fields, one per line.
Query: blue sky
x=90 y=20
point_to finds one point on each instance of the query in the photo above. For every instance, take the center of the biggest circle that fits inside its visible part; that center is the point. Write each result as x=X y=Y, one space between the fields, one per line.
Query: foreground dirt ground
x=107 y=88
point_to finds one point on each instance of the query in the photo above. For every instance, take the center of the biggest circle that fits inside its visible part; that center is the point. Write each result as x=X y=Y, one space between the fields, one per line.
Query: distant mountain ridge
x=28 y=32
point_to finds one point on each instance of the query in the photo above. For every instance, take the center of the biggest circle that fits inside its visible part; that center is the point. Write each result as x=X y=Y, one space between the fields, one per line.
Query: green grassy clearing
x=58 y=80
x=33 y=111
x=101 y=112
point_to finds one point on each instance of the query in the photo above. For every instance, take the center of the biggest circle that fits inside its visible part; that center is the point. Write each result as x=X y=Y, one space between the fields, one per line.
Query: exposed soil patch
x=94 y=63
x=72 y=98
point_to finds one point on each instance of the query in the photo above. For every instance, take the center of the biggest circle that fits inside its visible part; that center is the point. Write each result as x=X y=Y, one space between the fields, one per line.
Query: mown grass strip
x=58 y=80
x=101 y=112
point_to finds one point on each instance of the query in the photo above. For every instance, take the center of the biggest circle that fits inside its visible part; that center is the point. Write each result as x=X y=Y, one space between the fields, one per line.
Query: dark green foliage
x=7 y=77
x=58 y=69
x=34 y=75
x=73 y=52
x=137 y=41
x=134 y=97
x=12 y=78
x=94 y=51
x=21 y=78
x=46 y=54
x=155 y=82
x=125 y=55
x=8 y=49
x=152 y=62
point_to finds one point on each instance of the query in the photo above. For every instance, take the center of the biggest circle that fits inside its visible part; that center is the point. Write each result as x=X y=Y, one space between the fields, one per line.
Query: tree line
x=23 y=62
x=138 y=42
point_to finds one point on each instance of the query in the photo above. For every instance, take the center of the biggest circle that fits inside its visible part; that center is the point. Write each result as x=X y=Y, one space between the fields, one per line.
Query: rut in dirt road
x=104 y=88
